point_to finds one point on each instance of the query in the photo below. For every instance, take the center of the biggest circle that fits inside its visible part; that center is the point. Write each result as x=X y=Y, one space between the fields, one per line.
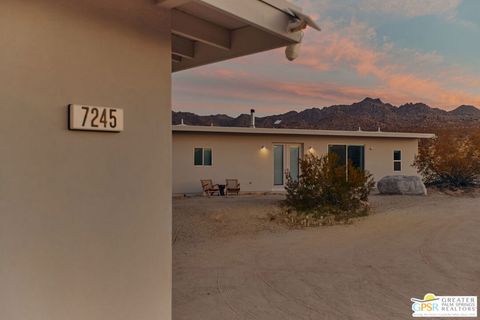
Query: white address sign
x=92 y=118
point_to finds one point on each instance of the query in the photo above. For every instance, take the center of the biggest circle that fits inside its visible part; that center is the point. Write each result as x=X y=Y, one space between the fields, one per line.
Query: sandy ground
x=232 y=262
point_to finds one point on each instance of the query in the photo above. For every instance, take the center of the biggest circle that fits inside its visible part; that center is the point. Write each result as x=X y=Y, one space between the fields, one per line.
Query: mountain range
x=368 y=114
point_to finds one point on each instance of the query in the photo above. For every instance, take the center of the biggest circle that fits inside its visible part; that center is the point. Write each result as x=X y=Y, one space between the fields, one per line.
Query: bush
x=324 y=190
x=450 y=161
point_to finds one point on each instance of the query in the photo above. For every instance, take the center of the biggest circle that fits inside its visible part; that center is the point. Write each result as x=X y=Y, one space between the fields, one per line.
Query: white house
x=259 y=158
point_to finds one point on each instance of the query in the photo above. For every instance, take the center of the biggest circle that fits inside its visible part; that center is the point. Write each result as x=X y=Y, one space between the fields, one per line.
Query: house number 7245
x=93 y=118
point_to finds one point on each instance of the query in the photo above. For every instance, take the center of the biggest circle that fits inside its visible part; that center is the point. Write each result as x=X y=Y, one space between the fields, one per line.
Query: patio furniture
x=232 y=186
x=209 y=188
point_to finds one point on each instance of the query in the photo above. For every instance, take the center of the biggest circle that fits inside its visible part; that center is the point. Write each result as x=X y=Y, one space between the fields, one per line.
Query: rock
x=405 y=185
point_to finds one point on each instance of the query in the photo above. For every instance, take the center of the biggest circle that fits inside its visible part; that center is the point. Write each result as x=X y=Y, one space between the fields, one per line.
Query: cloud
x=410 y=8
x=344 y=63
x=400 y=73
x=399 y=8
x=215 y=89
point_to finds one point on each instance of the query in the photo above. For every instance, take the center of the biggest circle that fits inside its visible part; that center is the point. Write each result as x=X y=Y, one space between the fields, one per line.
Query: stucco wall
x=85 y=218
x=240 y=156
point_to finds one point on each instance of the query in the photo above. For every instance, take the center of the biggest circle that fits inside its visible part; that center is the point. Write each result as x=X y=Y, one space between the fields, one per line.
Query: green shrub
x=450 y=161
x=325 y=189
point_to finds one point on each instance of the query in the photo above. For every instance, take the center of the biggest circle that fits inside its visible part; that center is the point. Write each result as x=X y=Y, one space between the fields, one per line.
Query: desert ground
x=232 y=262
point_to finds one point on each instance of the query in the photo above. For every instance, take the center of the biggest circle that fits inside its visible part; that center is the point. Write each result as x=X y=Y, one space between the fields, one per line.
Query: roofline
x=267 y=26
x=301 y=132
x=282 y=5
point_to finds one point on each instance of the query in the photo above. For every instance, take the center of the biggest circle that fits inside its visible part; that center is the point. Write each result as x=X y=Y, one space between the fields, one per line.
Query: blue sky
x=400 y=51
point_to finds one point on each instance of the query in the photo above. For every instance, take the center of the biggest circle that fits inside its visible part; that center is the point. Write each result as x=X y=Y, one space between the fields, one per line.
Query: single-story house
x=260 y=157
x=85 y=144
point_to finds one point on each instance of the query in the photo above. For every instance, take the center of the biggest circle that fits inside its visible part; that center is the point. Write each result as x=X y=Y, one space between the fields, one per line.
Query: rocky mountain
x=368 y=114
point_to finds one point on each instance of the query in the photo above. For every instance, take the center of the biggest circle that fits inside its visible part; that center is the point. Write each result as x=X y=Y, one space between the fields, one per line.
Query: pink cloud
x=351 y=47
x=395 y=75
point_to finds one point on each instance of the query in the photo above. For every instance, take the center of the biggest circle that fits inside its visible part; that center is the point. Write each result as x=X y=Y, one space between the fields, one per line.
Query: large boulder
x=406 y=185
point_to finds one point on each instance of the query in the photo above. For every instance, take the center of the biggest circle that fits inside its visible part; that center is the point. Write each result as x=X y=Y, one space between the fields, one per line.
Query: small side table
x=221 y=188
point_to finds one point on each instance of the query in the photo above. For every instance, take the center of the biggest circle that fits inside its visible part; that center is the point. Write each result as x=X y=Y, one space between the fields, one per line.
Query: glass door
x=286 y=160
x=278 y=164
x=294 y=161
x=354 y=154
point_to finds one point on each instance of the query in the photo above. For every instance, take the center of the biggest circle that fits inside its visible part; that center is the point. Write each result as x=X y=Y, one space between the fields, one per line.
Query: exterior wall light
x=311 y=150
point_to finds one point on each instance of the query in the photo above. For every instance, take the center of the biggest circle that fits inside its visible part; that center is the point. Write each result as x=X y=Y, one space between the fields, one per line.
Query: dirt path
x=231 y=262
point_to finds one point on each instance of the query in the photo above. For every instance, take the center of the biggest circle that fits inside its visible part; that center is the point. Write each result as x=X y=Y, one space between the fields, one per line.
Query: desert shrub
x=450 y=161
x=325 y=189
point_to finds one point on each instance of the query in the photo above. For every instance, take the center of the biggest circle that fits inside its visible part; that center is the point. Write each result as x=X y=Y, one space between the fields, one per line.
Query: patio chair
x=209 y=188
x=232 y=186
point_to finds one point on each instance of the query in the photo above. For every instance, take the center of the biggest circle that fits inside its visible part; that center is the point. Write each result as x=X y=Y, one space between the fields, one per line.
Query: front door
x=286 y=160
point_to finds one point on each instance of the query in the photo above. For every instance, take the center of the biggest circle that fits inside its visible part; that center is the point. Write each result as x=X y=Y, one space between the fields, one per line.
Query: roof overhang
x=207 y=31
x=299 y=132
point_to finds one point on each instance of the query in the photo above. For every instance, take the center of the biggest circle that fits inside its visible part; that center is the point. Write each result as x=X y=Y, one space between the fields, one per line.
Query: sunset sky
x=399 y=51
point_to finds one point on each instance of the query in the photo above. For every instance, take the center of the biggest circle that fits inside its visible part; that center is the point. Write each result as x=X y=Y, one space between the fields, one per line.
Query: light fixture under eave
x=298 y=22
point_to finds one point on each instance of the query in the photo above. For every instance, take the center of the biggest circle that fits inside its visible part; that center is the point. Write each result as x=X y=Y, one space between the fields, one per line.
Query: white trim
x=304 y=132
x=263 y=15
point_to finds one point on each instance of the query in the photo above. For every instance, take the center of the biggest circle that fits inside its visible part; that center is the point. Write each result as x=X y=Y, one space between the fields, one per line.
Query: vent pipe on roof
x=252 y=118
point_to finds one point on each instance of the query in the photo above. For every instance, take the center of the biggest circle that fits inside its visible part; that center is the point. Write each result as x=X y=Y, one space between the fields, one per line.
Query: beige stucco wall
x=240 y=156
x=85 y=218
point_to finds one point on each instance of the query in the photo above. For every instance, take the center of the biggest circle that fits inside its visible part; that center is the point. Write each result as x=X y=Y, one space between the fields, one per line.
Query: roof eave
x=304 y=132
x=265 y=28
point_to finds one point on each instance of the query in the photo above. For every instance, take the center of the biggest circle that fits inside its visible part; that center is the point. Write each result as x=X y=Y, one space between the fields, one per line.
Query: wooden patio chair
x=209 y=188
x=232 y=187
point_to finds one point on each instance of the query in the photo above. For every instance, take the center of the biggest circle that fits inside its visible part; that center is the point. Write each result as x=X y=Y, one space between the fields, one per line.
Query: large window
x=351 y=153
x=202 y=157
x=397 y=160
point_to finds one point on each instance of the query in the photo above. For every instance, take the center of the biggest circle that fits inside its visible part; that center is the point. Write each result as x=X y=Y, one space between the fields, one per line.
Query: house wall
x=85 y=217
x=240 y=157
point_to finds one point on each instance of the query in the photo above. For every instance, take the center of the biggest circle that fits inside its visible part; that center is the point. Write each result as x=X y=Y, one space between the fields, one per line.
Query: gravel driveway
x=232 y=262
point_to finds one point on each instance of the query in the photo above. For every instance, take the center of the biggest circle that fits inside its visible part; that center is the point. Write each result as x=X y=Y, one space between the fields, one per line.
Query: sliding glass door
x=351 y=153
x=356 y=154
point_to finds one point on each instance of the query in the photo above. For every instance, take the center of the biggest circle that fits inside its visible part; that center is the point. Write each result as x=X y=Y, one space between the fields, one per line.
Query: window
x=397 y=160
x=354 y=154
x=202 y=157
x=207 y=157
